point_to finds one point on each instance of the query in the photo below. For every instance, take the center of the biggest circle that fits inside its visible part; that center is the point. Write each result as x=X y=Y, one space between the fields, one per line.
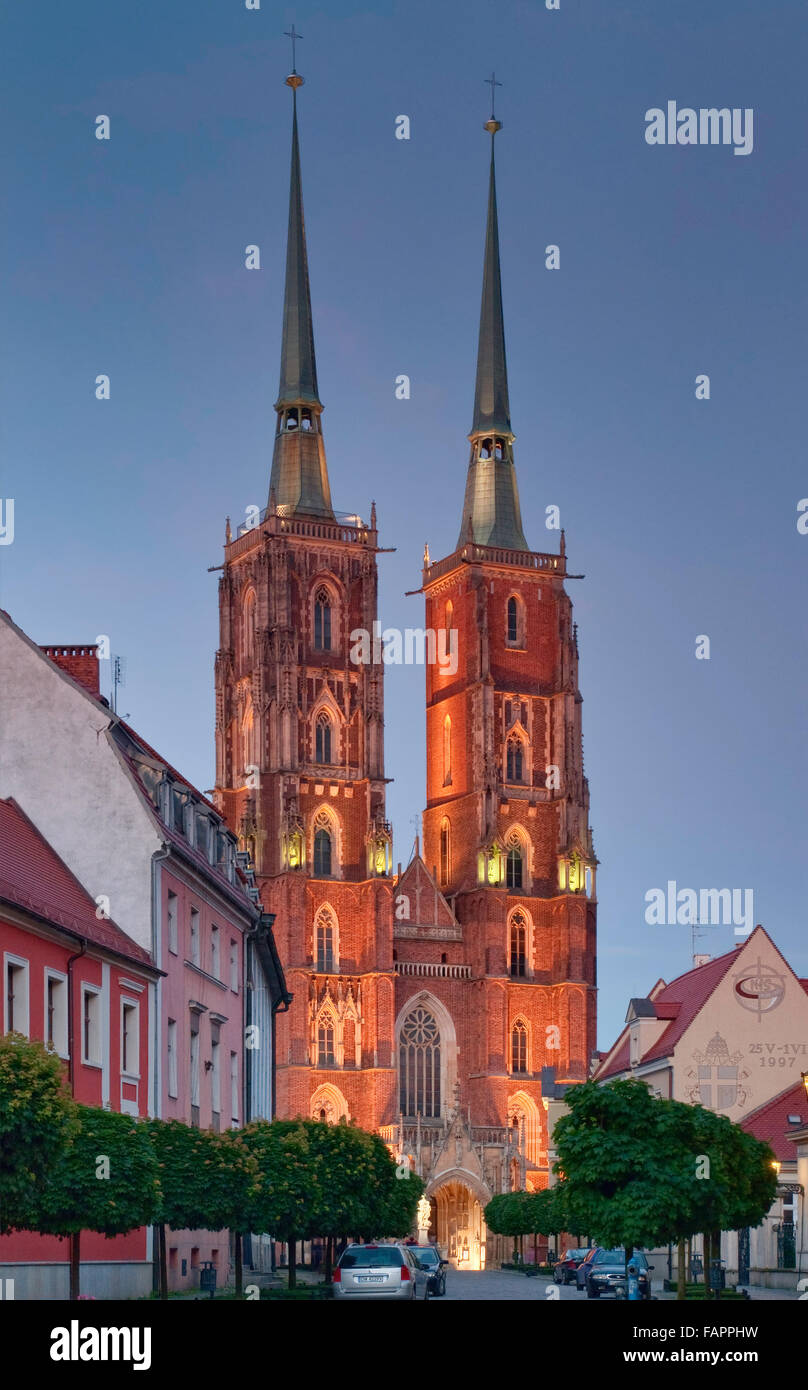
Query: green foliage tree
x=207 y=1182
x=289 y=1187
x=38 y=1118
x=630 y=1167
x=106 y=1180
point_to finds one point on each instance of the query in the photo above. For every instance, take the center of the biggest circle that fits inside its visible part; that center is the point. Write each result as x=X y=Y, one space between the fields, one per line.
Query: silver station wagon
x=379 y=1271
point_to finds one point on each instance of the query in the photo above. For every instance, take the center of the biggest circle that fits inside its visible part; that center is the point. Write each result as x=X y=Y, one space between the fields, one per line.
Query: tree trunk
x=706 y=1245
x=239 y=1266
x=681 y=1270
x=75 y=1265
x=161 y=1259
x=292 y=1248
x=328 y=1258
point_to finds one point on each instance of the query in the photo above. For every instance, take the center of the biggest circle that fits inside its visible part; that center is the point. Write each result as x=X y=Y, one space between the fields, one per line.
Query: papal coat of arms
x=716 y=1079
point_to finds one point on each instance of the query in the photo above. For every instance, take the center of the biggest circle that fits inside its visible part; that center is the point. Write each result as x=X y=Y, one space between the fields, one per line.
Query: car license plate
x=371 y=1278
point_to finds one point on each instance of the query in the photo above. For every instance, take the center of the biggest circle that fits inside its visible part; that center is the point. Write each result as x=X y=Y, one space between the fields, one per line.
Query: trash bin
x=207 y=1278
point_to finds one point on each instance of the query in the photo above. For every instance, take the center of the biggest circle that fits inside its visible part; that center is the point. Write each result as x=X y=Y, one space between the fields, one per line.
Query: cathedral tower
x=299 y=741
x=503 y=901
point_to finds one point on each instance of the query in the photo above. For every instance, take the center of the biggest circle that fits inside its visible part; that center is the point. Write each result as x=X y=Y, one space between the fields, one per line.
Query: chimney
x=700 y=959
x=79 y=661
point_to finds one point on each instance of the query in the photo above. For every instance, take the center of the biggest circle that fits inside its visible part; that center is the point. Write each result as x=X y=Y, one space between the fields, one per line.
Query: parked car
x=564 y=1269
x=606 y=1273
x=380 y=1271
x=432 y=1261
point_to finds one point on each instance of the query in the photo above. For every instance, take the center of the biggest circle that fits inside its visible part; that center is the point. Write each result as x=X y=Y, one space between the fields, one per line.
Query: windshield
x=379 y=1257
x=427 y=1257
x=618 y=1257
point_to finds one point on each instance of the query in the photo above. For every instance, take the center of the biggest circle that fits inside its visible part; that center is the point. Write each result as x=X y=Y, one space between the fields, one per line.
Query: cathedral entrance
x=460 y=1225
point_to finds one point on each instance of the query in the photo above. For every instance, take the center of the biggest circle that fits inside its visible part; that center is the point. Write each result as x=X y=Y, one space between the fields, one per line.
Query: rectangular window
x=234 y=966
x=194 y=1061
x=16 y=995
x=214 y=952
x=234 y=1097
x=56 y=1011
x=171 y=917
x=130 y=1038
x=194 y=936
x=215 y=1076
x=91 y=1025
x=172 y=1058
x=178 y=811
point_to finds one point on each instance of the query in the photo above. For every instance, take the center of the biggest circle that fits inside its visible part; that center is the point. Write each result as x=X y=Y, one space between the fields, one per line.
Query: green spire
x=491 y=513
x=298 y=365
x=491 y=408
x=298 y=483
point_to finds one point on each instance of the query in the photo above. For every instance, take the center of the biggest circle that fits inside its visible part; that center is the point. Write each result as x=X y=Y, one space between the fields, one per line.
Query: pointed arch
x=326 y=1027
x=520 y=1039
x=325 y=844
x=329 y=1105
x=523 y=1109
x=427 y=1055
x=445 y=852
x=326 y=940
x=325 y=607
x=447 y=751
x=520 y=944
x=248 y=624
x=323 y=738
x=515 y=757
x=515 y=621
x=518 y=875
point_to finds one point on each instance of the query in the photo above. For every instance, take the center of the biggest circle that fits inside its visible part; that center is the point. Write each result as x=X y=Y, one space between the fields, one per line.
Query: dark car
x=606 y=1273
x=431 y=1260
x=564 y=1270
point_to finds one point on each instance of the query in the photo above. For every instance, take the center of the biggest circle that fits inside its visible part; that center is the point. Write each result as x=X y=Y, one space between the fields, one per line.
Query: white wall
x=57 y=762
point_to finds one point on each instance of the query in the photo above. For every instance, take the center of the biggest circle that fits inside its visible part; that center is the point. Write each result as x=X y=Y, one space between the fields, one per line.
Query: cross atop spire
x=294 y=36
x=492 y=83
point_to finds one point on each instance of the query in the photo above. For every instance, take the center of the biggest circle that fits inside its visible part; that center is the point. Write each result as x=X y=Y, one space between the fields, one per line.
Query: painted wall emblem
x=760 y=988
x=717 y=1078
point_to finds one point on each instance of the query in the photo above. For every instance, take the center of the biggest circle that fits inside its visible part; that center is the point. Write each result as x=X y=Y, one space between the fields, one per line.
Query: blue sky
x=126 y=257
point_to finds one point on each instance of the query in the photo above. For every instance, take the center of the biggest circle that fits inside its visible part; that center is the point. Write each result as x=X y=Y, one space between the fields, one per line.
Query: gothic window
x=322 y=739
x=513 y=867
x=326 y=1056
x=447 y=751
x=514 y=622
x=248 y=628
x=444 y=853
x=419 y=1065
x=322 y=853
x=519 y=1046
x=325 y=940
x=515 y=760
x=322 y=620
x=518 y=945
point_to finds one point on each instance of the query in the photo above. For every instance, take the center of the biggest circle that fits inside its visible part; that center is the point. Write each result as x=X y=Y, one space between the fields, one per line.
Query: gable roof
x=34 y=878
x=678 y=1002
x=428 y=907
x=770 y=1121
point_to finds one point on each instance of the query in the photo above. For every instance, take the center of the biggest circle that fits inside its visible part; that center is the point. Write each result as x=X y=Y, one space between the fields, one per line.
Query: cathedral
x=445 y=1004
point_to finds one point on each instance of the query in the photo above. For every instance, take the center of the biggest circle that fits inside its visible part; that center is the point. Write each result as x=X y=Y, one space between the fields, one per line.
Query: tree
x=632 y=1167
x=38 y=1117
x=289 y=1186
x=207 y=1182
x=106 y=1180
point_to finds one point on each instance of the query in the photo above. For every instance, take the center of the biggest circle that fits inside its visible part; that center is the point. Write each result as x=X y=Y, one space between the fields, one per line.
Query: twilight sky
x=126 y=257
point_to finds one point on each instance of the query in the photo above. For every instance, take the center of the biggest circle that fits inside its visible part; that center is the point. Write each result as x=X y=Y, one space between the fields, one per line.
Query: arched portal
x=460 y=1228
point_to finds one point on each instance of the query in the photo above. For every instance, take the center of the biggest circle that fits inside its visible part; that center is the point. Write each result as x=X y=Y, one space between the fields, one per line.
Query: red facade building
x=77 y=982
x=444 y=1006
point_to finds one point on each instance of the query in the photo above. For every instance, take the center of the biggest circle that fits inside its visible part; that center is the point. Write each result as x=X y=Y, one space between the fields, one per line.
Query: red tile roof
x=679 y=1001
x=34 y=878
x=770 y=1121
